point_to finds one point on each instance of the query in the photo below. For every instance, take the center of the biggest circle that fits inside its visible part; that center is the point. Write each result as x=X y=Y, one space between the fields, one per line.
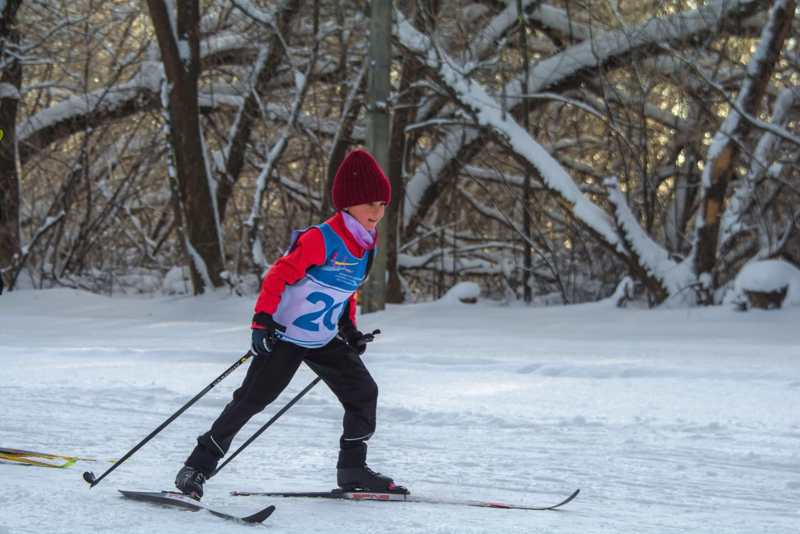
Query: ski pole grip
x=370 y=337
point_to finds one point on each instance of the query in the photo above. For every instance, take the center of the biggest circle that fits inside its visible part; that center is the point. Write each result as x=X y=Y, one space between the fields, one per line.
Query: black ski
x=179 y=500
x=401 y=497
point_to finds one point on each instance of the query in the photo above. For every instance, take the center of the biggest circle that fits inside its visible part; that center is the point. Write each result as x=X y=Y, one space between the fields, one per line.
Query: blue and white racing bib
x=310 y=309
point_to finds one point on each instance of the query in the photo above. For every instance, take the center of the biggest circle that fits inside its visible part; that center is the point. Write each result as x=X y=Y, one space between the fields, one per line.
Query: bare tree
x=178 y=32
x=581 y=134
x=725 y=148
x=10 y=83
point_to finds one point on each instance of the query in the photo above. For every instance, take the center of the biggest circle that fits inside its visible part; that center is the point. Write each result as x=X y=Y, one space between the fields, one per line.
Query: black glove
x=357 y=339
x=266 y=333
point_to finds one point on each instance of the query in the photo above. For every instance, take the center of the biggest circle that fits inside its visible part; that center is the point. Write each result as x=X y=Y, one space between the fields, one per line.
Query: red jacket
x=309 y=250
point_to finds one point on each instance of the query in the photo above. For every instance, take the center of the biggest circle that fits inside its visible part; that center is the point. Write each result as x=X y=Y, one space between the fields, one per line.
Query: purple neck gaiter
x=363 y=237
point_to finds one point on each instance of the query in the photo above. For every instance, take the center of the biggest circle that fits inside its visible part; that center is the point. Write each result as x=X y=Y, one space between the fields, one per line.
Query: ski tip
x=567 y=500
x=259 y=516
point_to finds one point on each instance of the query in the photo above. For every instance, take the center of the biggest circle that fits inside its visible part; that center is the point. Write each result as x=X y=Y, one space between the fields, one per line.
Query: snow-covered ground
x=668 y=420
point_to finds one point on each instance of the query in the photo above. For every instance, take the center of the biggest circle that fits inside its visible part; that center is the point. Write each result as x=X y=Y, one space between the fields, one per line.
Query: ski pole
x=280 y=412
x=89 y=477
x=274 y=418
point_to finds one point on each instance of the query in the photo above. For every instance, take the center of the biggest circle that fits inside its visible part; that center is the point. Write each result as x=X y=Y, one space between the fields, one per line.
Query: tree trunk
x=404 y=115
x=342 y=139
x=378 y=132
x=180 y=53
x=725 y=148
x=10 y=82
x=527 y=265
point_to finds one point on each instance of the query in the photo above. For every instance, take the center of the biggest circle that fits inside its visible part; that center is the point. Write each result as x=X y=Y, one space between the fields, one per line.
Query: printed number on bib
x=310 y=321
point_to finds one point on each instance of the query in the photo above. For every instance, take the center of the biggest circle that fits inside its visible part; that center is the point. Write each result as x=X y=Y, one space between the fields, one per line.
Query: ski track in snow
x=668 y=420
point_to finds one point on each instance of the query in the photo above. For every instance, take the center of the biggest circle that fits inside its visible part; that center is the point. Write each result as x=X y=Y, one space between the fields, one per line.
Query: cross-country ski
x=178 y=500
x=404 y=497
x=40 y=459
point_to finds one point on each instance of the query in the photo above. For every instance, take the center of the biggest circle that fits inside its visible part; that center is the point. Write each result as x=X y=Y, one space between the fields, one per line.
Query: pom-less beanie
x=360 y=180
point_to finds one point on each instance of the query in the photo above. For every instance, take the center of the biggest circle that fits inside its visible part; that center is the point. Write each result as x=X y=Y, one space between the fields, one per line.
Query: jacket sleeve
x=348 y=319
x=308 y=251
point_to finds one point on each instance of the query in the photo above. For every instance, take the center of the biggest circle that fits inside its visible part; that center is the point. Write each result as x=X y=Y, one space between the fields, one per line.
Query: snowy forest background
x=568 y=147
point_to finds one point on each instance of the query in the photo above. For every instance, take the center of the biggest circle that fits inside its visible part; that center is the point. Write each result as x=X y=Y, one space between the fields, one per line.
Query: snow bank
x=624 y=292
x=767 y=276
x=466 y=292
x=177 y=281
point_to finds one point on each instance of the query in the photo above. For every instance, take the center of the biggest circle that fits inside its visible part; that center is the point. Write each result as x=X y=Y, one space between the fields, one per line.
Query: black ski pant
x=338 y=366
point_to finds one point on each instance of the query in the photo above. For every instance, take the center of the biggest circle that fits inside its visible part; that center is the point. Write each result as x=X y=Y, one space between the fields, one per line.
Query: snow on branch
x=443 y=260
x=746 y=98
x=534 y=10
x=648 y=254
x=606 y=46
x=46 y=225
x=301 y=193
x=198 y=262
x=8 y=91
x=146 y=80
x=220 y=44
x=496 y=176
x=742 y=198
x=429 y=173
x=558 y=19
x=739 y=111
x=254 y=12
x=302 y=85
x=140 y=93
x=487 y=112
x=557 y=70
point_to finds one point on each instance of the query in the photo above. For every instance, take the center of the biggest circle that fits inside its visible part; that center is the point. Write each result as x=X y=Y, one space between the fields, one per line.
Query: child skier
x=306 y=299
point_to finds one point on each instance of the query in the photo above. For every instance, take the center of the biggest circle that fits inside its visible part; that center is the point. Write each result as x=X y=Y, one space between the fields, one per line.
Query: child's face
x=369 y=215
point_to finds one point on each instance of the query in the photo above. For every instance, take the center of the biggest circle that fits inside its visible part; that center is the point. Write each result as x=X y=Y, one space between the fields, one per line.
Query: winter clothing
x=307 y=251
x=331 y=284
x=360 y=180
x=356 y=339
x=325 y=265
x=366 y=239
x=262 y=341
x=190 y=481
x=265 y=333
x=266 y=378
x=364 y=478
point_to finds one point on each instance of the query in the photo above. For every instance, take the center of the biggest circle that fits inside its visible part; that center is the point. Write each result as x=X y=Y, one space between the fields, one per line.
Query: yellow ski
x=22 y=459
x=40 y=459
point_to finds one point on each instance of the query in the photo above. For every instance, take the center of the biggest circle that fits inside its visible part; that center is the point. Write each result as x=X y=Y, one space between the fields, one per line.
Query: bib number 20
x=310 y=321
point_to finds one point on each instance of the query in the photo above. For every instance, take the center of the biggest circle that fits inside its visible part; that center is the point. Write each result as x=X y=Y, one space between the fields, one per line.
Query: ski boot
x=190 y=481
x=365 y=479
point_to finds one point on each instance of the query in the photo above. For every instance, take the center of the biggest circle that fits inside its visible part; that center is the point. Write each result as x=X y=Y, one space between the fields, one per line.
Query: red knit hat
x=360 y=180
